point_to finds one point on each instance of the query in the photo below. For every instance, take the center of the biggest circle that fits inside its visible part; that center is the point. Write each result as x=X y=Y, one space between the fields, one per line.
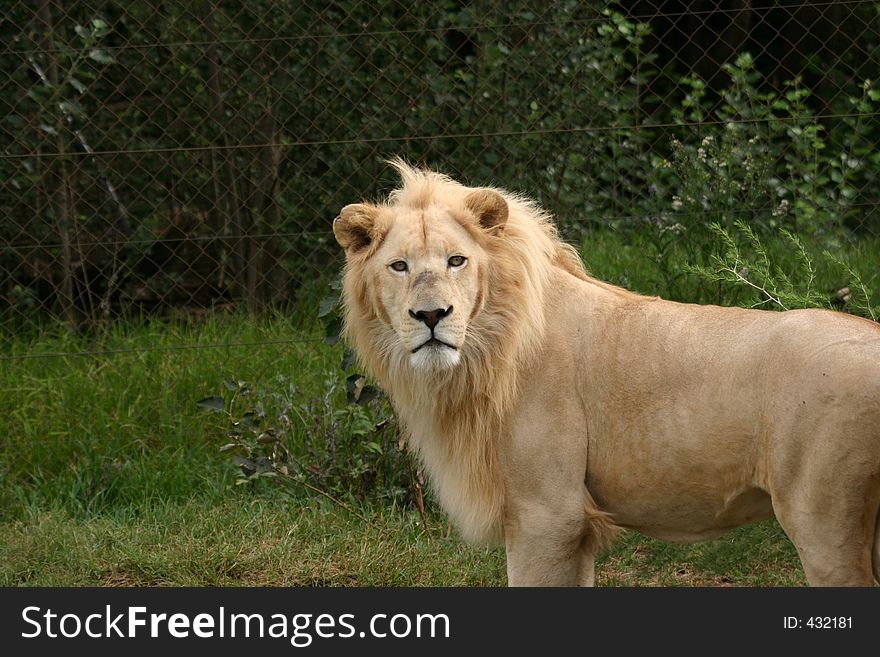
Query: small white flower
x=782 y=208
x=701 y=152
x=676 y=203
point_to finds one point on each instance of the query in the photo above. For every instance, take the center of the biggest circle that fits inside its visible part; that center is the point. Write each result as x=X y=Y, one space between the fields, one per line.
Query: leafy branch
x=744 y=262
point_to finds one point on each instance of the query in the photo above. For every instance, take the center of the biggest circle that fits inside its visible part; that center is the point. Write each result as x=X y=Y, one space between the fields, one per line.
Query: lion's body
x=566 y=406
x=697 y=419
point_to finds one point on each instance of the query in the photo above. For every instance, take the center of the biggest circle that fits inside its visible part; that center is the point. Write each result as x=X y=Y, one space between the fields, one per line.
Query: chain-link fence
x=166 y=156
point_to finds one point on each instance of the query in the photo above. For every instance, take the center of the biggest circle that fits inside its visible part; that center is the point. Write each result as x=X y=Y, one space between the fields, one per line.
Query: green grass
x=242 y=541
x=88 y=433
x=110 y=475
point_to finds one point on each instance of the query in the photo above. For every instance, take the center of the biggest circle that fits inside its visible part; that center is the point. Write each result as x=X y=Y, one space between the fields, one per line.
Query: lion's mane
x=457 y=422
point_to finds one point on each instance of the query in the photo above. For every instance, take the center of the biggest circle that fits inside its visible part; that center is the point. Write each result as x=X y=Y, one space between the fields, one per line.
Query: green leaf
x=349 y=358
x=328 y=303
x=745 y=61
x=354 y=384
x=374 y=447
x=213 y=403
x=368 y=393
x=101 y=56
x=248 y=466
x=72 y=107
x=357 y=390
x=333 y=331
x=76 y=84
x=263 y=464
x=249 y=420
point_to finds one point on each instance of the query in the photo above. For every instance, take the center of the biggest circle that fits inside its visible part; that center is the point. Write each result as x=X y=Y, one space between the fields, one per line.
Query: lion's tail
x=601 y=531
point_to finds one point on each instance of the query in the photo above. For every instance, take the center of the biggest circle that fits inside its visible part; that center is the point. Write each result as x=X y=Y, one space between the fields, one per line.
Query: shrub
x=345 y=448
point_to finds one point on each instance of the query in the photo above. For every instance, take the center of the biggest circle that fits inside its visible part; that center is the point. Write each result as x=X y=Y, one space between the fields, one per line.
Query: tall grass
x=654 y=262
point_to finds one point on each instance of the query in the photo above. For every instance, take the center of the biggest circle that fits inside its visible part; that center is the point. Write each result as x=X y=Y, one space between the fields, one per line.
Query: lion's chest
x=461 y=475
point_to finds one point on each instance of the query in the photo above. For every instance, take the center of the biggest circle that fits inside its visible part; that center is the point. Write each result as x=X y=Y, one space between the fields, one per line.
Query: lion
x=549 y=408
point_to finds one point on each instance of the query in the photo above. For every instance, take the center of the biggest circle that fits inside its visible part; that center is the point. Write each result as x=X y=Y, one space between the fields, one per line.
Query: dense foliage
x=176 y=154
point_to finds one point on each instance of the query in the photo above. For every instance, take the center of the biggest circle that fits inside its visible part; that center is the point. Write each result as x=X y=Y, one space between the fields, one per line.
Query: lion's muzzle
x=431 y=317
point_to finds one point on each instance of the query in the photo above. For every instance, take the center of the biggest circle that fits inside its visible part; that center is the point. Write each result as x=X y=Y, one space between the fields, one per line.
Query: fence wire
x=162 y=156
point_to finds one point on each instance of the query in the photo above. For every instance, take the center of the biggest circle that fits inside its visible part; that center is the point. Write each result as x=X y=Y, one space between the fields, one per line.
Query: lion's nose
x=430 y=317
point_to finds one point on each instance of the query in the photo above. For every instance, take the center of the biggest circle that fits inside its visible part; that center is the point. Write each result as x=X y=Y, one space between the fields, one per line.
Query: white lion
x=549 y=407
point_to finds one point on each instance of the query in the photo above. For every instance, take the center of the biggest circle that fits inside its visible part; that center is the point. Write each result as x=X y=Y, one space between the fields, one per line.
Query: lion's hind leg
x=835 y=536
x=876 y=555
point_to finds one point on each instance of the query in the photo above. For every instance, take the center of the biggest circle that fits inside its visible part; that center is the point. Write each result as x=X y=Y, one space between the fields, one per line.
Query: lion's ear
x=354 y=227
x=489 y=207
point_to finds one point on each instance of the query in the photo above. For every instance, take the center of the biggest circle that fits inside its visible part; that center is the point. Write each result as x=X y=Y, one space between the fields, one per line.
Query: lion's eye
x=398 y=265
x=457 y=261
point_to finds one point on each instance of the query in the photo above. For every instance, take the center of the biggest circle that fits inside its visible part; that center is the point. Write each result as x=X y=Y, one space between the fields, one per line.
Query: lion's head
x=440 y=275
x=424 y=268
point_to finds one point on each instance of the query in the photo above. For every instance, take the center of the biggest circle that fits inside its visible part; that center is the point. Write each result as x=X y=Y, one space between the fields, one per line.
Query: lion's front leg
x=545 y=547
x=552 y=525
x=587 y=564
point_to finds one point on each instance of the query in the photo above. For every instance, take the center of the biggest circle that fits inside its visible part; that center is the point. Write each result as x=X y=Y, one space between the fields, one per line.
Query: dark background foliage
x=180 y=155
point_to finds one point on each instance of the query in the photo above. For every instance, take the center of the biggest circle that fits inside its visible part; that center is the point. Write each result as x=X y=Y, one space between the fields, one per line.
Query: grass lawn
x=276 y=542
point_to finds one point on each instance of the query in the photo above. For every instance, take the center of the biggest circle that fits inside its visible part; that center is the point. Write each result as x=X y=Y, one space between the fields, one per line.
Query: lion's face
x=423 y=271
x=426 y=276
